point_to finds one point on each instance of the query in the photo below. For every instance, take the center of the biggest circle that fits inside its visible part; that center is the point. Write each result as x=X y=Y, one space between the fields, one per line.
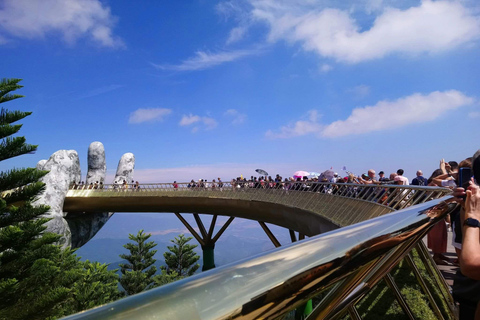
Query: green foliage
x=138 y=272
x=381 y=302
x=38 y=279
x=181 y=258
x=166 y=278
x=96 y=285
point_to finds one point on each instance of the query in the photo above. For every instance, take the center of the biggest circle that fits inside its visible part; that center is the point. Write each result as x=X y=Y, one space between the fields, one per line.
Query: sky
x=212 y=88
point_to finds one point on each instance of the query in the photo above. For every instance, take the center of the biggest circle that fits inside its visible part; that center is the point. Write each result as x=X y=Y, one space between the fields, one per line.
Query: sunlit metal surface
x=269 y=285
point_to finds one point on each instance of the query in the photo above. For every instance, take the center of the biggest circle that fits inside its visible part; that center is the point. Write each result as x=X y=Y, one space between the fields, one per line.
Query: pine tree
x=96 y=286
x=38 y=279
x=137 y=274
x=166 y=278
x=22 y=249
x=181 y=258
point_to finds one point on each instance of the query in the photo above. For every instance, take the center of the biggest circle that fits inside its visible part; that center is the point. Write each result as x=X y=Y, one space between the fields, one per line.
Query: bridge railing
x=395 y=196
x=336 y=270
x=365 y=201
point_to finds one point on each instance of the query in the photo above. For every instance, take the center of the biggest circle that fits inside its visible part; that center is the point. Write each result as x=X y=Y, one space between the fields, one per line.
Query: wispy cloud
x=148 y=115
x=310 y=125
x=432 y=26
x=416 y=108
x=102 y=90
x=206 y=122
x=359 y=92
x=71 y=18
x=204 y=60
x=235 y=116
x=324 y=68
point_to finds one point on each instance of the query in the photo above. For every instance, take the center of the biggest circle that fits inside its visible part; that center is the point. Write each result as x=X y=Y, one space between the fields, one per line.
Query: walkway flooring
x=448 y=271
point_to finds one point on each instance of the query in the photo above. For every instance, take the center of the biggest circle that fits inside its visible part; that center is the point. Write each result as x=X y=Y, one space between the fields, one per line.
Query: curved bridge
x=337 y=270
x=309 y=208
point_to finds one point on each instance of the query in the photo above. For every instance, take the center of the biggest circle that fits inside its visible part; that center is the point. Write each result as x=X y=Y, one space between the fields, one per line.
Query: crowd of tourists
x=463 y=222
x=135 y=185
x=463 y=178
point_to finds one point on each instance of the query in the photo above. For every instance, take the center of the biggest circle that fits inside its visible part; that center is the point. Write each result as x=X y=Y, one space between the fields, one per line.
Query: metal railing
x=342 y=203
x=337 y=269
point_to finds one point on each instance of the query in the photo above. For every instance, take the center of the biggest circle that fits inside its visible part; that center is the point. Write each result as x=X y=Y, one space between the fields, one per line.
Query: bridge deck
x=300 y=207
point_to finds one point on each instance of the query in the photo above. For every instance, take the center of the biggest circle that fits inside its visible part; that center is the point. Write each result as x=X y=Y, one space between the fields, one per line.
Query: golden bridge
x=357 y=234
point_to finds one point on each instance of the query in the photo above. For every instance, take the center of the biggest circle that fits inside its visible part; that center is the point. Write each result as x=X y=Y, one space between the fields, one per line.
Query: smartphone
x=464 y=176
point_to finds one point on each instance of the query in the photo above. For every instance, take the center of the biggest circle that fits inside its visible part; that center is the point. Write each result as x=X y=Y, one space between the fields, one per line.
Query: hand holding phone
x=464 y=176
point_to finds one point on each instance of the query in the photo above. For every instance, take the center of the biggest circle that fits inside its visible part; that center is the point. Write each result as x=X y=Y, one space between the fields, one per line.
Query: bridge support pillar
x=206 y=238
x=208 y=256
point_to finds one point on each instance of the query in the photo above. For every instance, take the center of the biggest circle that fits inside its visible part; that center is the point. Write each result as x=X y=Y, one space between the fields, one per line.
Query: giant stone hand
x=64 y=166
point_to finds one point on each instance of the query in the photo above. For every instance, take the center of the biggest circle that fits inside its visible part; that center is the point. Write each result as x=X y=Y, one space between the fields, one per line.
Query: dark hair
x=400 y=172
x=453 y=164
x=381 y=172
x=435 y=174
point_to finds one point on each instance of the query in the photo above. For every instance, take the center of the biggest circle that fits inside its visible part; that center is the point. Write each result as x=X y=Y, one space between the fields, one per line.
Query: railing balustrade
x=320 y=197
x=342 y=266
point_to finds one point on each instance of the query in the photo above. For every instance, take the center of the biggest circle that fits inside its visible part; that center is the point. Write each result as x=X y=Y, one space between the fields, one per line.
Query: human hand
x=459 y=196
x=443 y=166
x=472 y=202
x=64 y=169
x=448 y=167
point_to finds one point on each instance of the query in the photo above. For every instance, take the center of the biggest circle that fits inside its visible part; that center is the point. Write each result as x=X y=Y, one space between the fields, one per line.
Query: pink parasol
x=301 y=174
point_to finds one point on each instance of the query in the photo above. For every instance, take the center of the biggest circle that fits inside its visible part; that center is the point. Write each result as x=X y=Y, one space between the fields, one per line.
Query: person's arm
x=438 y=179
x=470 y=257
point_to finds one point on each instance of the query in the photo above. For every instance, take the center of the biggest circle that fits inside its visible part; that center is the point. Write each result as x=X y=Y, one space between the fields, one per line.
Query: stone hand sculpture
x=64 y=169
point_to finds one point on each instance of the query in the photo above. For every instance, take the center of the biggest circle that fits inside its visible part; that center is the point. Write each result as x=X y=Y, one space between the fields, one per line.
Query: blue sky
x=201 y=89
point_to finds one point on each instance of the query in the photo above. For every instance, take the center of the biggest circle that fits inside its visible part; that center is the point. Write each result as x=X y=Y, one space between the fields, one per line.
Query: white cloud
x=236 y=34
x=416 y=108
x=71 y=18
x=299 y=128
x=324 y=68
x=188 y=120
x=208 y=123
x=237 y=117
x=431 y=27
x=204 y=60
x=148 y=115
x=359 y=92
x=235 y=9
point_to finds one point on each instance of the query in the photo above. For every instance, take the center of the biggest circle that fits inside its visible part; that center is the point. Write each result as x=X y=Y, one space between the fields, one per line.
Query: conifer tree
x=138 y=272
x=22 y=249
x=37 y=277
x=181 y=258
x=97 y=285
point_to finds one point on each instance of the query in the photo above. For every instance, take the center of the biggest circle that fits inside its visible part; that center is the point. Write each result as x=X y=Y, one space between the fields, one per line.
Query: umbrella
x=262 y=172
x=327 y=174
x=301 y=174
